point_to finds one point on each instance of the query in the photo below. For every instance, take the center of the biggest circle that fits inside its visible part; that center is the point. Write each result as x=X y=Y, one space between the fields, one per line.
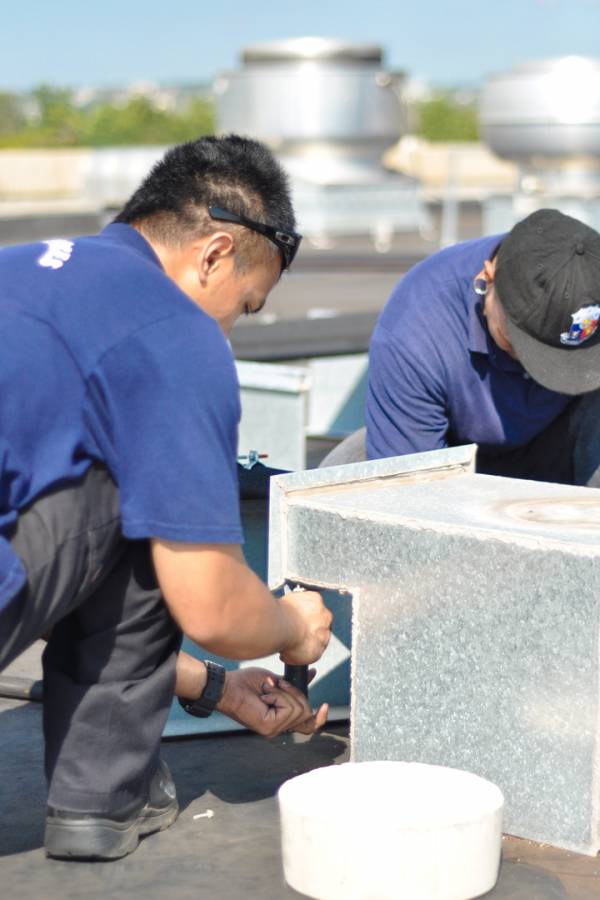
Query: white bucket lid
x=419 y=794
x=386 y=830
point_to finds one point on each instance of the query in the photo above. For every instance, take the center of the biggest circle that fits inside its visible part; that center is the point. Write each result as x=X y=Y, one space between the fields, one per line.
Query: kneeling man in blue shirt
x=119 y=498
x=494 y=341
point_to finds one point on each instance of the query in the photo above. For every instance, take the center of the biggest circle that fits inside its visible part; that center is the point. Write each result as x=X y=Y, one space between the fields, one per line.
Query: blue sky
x=75 y=43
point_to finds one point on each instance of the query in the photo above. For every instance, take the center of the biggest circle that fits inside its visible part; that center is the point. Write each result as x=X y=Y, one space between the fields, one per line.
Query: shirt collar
x=121 y=234
x=478 y=333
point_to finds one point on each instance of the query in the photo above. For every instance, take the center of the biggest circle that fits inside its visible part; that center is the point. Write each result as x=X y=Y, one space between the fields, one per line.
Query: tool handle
x=297 y=676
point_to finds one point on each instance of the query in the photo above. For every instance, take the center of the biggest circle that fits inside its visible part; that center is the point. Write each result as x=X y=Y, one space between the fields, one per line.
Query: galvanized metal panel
x=274 y=412
x=285 y=488
x=476 y=609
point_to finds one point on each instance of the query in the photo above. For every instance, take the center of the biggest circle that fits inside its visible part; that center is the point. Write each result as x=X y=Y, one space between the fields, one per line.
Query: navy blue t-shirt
x=436 y=377
x=105 y=359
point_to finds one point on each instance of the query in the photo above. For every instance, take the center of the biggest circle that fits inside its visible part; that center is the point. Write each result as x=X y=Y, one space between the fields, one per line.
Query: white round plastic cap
x=389 y=830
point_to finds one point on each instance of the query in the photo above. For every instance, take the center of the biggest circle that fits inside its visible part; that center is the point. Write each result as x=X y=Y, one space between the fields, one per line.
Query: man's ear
x=212 y=252
x=489 y=267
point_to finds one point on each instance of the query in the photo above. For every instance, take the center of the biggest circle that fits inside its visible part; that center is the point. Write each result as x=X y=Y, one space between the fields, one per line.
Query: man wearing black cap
x=493 y=341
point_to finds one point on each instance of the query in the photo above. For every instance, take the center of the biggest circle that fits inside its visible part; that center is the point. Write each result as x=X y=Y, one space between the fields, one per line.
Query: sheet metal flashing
x=263 y=377
x=285 y=488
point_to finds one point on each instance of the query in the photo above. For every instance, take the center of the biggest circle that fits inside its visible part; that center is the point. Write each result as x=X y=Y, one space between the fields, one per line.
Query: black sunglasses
x=287 y=242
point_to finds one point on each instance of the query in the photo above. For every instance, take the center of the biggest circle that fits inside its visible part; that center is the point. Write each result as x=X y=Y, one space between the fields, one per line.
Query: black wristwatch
x=210 y=696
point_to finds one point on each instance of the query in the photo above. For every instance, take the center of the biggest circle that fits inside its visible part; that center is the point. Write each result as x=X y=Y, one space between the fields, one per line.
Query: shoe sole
x=104 y=839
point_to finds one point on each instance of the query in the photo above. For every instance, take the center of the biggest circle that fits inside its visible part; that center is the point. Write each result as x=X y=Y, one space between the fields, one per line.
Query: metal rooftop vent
x=545 y=115
x=330 y=110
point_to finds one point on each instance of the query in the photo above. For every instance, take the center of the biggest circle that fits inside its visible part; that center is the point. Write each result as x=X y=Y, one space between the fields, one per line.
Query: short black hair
x=232 y=172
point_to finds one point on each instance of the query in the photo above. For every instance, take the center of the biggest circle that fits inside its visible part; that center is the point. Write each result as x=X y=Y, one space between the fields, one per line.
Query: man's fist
x=267 y=704
x=312 y=625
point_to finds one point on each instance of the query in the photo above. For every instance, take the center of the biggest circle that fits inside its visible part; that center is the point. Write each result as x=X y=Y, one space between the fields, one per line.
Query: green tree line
x=60 y=123
x=442 y=118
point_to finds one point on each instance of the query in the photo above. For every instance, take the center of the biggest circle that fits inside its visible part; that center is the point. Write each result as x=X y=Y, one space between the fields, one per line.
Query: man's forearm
x=250 y=622
x=220 y=603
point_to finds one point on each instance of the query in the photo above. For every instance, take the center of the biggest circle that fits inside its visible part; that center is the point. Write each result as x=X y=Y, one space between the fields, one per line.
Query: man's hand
x=254 y=697
x=313 y=626
x=267 y=704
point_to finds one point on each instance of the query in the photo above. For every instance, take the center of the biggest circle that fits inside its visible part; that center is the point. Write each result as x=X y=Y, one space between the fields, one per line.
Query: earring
x=481 y=286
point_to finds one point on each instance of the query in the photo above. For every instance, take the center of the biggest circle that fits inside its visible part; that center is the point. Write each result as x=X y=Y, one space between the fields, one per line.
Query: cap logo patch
x=584 y=325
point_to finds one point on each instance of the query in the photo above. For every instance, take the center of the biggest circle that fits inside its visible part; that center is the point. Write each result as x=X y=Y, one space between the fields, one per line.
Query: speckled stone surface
x=476 y=605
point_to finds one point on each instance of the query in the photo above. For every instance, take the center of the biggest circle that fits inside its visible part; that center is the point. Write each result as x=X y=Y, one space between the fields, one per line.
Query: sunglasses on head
x=287 y=242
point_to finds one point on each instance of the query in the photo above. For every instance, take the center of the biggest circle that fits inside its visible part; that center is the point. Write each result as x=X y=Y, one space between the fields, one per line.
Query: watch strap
x=210 y=696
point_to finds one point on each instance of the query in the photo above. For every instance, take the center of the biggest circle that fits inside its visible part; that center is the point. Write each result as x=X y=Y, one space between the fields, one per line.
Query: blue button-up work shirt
x=105 y=359
x=436 y=377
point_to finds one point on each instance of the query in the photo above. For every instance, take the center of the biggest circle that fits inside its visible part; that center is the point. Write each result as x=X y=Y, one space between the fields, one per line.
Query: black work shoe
x=92 y=836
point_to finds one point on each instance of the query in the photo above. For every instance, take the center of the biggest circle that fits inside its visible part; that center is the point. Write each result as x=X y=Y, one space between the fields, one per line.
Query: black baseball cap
x=548 y=282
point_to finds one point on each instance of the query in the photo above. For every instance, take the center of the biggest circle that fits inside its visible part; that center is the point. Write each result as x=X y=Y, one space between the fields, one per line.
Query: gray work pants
x=109 y=665
x=566 y=452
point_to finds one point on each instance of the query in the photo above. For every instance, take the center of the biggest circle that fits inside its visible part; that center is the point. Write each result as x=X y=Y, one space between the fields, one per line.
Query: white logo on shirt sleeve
x=58 y=253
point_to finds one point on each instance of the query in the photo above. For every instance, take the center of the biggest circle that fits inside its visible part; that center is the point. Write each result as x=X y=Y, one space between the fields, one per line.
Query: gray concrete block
x=476 y=609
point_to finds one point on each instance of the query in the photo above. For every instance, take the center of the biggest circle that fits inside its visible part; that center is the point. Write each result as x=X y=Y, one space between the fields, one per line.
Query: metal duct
x=545 y=115
x=317 y=101
x=329 y=110
x=544 y=110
